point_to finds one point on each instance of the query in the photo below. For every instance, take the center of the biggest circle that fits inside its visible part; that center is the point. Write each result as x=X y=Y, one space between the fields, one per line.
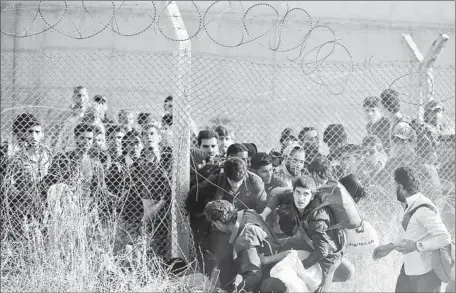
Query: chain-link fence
x=126 y=169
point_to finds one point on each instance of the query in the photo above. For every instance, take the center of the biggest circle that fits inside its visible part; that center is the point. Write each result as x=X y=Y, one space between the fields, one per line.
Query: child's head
x=371 y=106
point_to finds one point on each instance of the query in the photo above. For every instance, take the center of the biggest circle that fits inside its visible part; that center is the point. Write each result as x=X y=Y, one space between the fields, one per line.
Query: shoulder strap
x=409 y=214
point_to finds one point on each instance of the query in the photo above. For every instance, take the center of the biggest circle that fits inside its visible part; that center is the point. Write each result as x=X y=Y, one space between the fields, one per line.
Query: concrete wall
x=368 y=29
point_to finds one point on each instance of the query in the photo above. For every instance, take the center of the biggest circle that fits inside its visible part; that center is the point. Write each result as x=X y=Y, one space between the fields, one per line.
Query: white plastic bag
x=293 y=274
x=362 y=239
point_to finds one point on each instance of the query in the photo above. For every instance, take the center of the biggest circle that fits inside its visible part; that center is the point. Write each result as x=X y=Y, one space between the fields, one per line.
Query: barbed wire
x=275 y=32
x=310 y=55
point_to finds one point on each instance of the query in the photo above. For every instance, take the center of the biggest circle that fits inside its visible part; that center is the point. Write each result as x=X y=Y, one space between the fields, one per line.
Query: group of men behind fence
x=243 y=205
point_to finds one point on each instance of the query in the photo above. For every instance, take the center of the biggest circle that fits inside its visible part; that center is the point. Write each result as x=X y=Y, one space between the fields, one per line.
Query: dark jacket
x=327 y=244
x=254 y=237
x=251 y=195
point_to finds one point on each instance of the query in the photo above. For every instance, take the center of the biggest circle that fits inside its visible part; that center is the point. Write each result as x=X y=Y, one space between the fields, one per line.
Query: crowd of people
x=242 y=204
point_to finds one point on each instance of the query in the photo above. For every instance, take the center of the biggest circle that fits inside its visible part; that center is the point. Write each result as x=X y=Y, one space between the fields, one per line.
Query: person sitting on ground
x=310 y=141
x=225 y=139
x=237 y=185
x=293 y=164
x=377 y=125
x=254 y=246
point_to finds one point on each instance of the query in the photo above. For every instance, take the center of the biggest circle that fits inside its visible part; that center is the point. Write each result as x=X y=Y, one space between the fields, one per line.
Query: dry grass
x=76 y=256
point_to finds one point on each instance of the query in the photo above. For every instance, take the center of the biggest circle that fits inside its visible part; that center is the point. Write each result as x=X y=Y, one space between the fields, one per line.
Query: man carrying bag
x=424 y=240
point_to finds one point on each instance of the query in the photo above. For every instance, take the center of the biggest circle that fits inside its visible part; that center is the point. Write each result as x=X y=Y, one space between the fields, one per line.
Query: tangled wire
x=310 y=54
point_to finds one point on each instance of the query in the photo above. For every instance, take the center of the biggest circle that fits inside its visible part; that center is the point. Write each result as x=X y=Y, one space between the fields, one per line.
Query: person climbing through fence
x=240 y=187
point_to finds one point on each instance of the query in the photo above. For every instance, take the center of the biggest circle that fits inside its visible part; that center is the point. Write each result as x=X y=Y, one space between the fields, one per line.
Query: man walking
x=424 y=232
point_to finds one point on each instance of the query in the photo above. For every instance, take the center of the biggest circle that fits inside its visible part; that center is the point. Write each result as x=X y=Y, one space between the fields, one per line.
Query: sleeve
x=318 y=224
x=247 y=246
x=259 y=193
x=439 y=236
x=249 y=270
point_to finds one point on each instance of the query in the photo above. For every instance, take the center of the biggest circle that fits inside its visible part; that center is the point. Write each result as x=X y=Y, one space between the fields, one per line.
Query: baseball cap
x=99 y=98
x=403 y=130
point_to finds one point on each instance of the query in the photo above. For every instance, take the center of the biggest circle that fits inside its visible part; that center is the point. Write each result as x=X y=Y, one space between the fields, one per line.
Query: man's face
x=34 y=135
x=224 y=142
x=372 y=114
x=116 y=140
x=84 y=141
x=243 y=156
x=127 y=119
x=295 y=163
x=99 y=141
x=348 y=162
x=302 y=197
x=265 y=173
x=311 y=139
x=151 y=137
x=209 y=146
x=134 y=148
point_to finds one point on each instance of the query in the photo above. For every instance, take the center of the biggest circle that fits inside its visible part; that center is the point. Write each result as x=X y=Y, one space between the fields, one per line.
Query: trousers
x=428 y=282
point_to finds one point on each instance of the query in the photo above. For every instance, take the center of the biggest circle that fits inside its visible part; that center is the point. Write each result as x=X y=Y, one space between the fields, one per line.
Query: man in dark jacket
x=243 y=189
x=327 y=244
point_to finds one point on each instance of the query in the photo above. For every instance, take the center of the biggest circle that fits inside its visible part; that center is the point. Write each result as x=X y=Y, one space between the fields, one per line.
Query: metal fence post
x=181 y=133
x=425 y=76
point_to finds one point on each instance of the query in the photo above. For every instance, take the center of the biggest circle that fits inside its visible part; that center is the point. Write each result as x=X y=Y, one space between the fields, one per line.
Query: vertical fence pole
x=181 y=133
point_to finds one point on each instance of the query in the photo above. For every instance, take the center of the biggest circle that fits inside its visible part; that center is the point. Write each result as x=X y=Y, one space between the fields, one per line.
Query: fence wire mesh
x=125 y=164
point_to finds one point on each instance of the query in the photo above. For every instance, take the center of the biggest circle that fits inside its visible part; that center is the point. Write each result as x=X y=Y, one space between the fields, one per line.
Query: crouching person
x=254 y=246
x=326 y=244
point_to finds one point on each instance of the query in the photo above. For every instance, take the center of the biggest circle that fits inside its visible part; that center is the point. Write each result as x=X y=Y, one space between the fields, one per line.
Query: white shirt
x=426 y=228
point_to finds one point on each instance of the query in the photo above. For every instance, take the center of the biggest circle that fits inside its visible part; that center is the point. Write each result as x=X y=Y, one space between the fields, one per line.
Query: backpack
x=443 y=259
x=354 y=187
x=336 y=197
